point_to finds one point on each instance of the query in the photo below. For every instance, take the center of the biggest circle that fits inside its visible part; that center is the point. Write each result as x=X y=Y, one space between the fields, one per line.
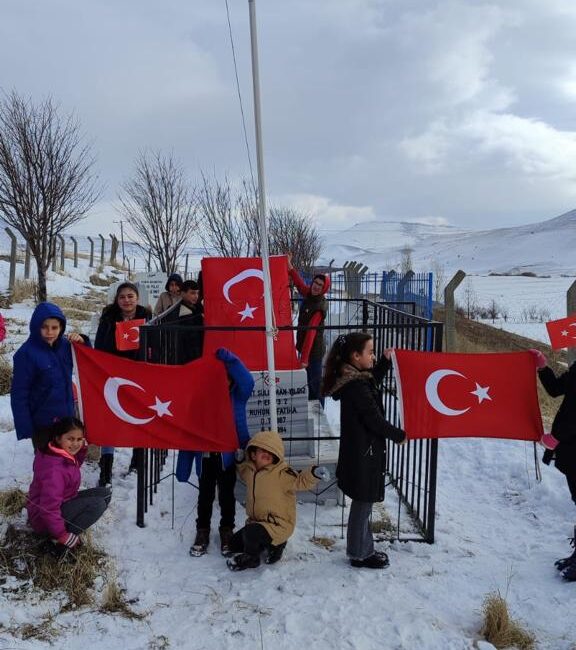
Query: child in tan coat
x=271 y=486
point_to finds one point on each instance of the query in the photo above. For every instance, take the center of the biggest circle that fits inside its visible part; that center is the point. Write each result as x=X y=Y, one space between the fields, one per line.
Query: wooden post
x=13 y=249
x=113 y=248
x=571 y=309
x=91 y=251
x=62 y=251
x=450 y=311
x=27 y=263
x=102 y=249
x=75 y=243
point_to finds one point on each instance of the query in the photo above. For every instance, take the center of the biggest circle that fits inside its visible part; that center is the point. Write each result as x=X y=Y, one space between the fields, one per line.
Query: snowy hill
x=545 y=248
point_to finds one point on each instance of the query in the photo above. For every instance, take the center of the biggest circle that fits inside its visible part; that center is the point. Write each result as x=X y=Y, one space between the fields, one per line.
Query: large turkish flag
x=234 y=297
x=128 y=403
x=562 y=332
x=445 y=395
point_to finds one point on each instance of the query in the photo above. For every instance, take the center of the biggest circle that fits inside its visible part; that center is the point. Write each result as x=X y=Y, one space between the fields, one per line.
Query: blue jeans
x=359 y=540
x=314 y=376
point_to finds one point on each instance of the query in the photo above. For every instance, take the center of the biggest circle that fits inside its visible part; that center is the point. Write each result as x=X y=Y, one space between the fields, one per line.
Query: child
x=55 y=506
x=563 y=430
x=271 y=486
x=216 y=469
x=171 y=295
x=349 y=377
x=42 y=382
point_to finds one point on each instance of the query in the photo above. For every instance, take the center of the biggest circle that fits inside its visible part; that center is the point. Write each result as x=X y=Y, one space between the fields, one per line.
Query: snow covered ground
x=496 y=529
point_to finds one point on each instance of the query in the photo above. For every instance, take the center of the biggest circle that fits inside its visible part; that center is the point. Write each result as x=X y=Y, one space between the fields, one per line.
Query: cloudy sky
x=460 y=111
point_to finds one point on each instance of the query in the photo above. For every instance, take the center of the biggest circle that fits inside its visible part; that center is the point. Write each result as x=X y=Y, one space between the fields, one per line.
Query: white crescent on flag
x=111 y=388
x=432 y=392
x=243 y=275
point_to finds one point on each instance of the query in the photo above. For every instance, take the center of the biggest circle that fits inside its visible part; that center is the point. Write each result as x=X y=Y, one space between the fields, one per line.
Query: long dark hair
x=49 y=433
x=340 y=353
x=113 y=310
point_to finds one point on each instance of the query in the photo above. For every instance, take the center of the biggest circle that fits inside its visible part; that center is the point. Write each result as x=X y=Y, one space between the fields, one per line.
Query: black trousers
x=213 y=475
x=252 y=539
x=571 y=479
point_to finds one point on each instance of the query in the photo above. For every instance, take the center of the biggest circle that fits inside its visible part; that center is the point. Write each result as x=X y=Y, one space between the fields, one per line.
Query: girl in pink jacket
x=55 y=506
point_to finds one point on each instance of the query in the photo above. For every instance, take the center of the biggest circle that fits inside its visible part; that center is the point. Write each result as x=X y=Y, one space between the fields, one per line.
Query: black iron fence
x=411 y=468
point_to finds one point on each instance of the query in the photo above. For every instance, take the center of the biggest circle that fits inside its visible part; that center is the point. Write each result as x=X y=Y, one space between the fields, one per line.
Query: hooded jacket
x=363 y=432
x=271 y=491
x=42 y=382
x=240 y=391
x=56 y=480
x=310 y=342
x=166 y=299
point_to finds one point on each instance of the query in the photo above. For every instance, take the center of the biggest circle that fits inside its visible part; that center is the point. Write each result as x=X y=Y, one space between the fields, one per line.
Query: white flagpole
x=262 y=219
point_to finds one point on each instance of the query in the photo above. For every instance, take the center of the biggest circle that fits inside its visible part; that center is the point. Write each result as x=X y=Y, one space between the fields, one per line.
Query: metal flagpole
x=270 y=333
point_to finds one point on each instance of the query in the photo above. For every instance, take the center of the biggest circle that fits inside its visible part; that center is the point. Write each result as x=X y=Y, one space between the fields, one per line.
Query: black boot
x=226 y=534
x=567 y=561
x=243 y=561
x=275 y=553
x=201 y=542
x=106 y=461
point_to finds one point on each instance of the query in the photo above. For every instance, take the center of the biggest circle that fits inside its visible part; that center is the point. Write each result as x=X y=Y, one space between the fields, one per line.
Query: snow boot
x=374 y=561
x=200 y=546
x=243 y=561
x=226 y=533
x=275 y=553
x=106 y=461
x=569 y=573
x=567 y=561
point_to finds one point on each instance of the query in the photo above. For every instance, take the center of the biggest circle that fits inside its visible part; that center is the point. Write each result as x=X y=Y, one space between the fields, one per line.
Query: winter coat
x=106 y=334
x=240 y=391
x=310 y=342
x=363 y=432
x=42 y=382
x=164 y=302
x=56 y=480
x=271 y=491
x=564 y=425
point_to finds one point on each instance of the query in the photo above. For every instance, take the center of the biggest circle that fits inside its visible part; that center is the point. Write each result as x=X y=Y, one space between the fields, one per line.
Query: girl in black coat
x=351 y=377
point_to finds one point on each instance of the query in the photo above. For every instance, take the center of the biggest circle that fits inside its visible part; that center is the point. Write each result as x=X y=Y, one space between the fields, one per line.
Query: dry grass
x=97 y=281
x=499 y=629
x=114 y=601
x=5 y=301
x=381 y=522
x=24 y=289
x=5 y=376
x=323 y=542
x=12 y=502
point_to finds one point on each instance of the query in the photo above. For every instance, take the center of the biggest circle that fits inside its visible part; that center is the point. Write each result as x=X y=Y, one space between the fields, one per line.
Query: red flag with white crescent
x=234 y=297
x=562 y=332
x=128 y=334
x=127 y=403
x=446 y=395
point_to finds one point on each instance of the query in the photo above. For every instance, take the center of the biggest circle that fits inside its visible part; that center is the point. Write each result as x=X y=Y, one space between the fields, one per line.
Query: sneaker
x=374 y=561
x=226 y=533
x=201 y=542
x=58 y=551
x=275 y=553
x=565 y=562
x=243 y=561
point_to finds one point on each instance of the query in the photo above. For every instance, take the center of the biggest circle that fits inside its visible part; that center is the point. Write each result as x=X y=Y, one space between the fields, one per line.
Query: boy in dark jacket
x=217 y=470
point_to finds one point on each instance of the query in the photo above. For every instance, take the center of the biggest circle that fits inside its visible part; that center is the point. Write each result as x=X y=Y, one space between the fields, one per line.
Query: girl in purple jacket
x=55 y=506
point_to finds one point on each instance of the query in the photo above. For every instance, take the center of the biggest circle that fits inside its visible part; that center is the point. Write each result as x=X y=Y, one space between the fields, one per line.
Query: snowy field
x=497 y=529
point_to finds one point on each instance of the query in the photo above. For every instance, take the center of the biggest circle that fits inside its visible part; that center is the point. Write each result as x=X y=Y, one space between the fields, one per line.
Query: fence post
x=91 y=251
x=27 y=262
x=449 y=311
x=75 y=243
x=113 y=248
x=186 y=267
x=62 y=251
x=12 y=277
x=571 y=309
x=102 y=249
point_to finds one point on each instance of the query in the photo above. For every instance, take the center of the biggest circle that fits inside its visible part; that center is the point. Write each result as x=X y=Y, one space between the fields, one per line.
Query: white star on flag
x=161 y=408
x=564 y=332
x=481 y=393
x=247 y=312
x=125 y=336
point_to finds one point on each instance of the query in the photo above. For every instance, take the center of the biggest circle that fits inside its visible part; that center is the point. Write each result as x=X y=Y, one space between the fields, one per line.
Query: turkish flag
x=234 y=297
x=445 y=395
x=128 y=334
x=128 y=403
x=562 y=332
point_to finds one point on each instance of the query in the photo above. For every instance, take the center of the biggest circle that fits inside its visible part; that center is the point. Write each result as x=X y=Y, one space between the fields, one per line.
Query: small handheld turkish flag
x=445 y=395
x=562 y=332
x=128 y=334
x=136 y=404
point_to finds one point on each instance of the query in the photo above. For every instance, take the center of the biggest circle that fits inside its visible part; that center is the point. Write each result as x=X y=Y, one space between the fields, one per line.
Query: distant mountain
x=547 y=247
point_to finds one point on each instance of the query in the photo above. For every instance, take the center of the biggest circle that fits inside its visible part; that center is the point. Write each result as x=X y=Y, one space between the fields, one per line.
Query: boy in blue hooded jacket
x=215 y=469
x=42 y=382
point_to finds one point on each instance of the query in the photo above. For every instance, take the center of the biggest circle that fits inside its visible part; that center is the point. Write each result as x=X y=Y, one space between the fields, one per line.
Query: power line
x=239 y=93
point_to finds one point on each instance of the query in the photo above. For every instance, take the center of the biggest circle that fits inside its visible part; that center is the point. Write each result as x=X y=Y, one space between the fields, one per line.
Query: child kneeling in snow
x=55 y=506
x=271 y=486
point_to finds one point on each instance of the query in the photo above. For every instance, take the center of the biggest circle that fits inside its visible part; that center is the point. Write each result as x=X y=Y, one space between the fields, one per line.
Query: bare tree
x=294 y=232
x=406 y=259
x=46 y=179
x=439 y=279
x=160 y=206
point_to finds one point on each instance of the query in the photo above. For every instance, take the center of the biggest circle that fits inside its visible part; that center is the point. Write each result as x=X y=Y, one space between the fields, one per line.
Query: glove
x=548 y=456
x=323 y=473
x=239 y=455
x=70 y=540
x=224 y=355
x=540 y=360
